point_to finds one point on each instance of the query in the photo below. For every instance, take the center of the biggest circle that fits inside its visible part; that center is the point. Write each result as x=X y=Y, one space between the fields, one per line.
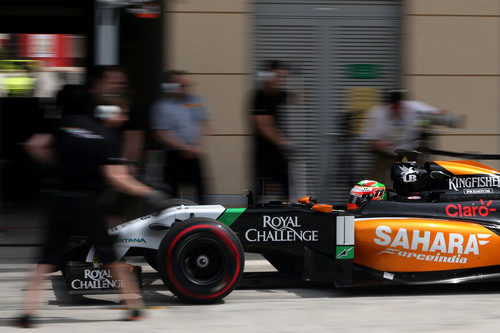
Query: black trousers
x=76 y=214
x=270 y=166
x=179 y=169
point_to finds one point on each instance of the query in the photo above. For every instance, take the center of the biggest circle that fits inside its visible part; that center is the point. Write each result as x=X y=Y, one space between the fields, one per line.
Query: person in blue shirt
x=180 y=121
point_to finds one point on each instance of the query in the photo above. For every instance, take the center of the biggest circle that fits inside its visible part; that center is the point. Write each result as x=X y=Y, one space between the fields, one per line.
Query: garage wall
x=211 y=40
x=450 y=48
x=323 y=42
x=451 y=60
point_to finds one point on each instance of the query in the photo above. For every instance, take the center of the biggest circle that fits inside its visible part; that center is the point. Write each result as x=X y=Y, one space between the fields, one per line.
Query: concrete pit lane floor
x=268 y=308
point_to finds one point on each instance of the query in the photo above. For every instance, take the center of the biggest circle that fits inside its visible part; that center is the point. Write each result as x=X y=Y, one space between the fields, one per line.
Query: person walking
x=87 y=153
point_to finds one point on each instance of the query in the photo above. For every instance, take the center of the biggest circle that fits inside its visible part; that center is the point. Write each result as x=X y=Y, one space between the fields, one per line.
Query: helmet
x=364 y=191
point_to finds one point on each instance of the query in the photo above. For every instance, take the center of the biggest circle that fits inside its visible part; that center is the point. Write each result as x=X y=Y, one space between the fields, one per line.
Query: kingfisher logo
x=437 y=246
x=473 y=182
x=459 y=210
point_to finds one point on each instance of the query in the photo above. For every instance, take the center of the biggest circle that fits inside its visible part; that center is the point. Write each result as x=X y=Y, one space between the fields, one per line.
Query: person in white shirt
x=395 y=125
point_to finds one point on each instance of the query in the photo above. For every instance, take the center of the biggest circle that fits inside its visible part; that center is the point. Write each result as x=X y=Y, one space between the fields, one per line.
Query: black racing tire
x=201 y=260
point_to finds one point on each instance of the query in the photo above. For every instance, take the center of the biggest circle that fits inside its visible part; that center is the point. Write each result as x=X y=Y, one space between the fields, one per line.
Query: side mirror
x=439 y=175
x=305 y=200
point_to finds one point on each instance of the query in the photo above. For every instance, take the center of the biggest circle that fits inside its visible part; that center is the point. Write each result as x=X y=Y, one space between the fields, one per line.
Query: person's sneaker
x=23 y=321
x=134 y=314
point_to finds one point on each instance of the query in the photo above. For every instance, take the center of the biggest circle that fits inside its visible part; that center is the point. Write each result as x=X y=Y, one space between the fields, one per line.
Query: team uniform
x=270 y=162
x=402 y=132
x=83 y=146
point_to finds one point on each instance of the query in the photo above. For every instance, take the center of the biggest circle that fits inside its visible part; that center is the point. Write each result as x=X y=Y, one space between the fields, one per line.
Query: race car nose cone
x=202 y=261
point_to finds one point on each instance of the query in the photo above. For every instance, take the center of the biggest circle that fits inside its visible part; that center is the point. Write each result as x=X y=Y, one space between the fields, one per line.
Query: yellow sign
x=17 y=65
x=359 y=100
x=19 y=86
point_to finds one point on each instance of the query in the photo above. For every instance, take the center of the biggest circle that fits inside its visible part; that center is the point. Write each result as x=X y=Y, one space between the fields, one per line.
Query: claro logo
x=459 y=210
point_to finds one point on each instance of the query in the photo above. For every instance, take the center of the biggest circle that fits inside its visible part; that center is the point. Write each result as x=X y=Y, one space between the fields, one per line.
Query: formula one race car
x=440 y=224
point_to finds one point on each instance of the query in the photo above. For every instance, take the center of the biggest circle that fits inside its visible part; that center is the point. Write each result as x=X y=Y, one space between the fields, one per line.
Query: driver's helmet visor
x=355 y=201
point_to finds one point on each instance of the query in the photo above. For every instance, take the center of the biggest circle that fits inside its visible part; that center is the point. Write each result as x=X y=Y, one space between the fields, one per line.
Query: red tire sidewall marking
x=229 y=244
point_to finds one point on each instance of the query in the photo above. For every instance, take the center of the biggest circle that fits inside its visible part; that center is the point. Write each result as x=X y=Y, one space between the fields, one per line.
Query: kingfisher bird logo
x=409 y=175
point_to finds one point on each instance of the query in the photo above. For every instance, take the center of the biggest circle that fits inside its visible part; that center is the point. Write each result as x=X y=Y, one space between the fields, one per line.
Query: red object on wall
x=54 y=50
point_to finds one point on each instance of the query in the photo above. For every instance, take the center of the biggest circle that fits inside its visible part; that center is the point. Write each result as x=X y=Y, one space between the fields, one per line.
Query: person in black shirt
x=88 y=155
x=270 y=162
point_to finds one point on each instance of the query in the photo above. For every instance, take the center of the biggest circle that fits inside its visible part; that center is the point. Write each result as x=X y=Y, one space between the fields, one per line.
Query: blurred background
x=342 y=56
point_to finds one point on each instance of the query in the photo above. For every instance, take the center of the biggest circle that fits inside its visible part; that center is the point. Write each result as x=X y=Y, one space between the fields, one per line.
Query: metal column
x=107 y=28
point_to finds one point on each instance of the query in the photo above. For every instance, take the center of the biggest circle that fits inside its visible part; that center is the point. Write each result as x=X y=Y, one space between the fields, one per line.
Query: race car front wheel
x=201 y=260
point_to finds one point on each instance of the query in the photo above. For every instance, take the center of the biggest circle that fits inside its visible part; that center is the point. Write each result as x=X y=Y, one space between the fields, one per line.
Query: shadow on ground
x=266 y=284
x=57 y=320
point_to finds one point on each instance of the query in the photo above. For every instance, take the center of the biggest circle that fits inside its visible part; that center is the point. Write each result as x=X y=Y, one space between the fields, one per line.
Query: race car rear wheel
x=201 y=260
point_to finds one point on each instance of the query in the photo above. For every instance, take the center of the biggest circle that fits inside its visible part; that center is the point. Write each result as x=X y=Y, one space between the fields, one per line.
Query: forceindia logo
x=437 y=246
x=281 y=229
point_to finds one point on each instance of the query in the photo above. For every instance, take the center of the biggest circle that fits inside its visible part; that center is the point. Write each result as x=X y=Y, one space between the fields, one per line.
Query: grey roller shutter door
x=355 y=42
x=298 y=43
x=320 y=40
